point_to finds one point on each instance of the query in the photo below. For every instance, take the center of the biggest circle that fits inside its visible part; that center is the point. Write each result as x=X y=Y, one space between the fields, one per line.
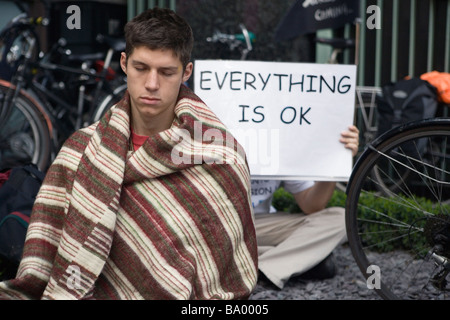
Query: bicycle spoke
x=396 y=207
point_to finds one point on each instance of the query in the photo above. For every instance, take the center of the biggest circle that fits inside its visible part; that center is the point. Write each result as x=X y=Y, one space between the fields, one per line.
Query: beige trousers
x=290 y=244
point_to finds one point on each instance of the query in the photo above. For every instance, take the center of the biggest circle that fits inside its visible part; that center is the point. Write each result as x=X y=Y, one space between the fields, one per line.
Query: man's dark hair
x=160 y=28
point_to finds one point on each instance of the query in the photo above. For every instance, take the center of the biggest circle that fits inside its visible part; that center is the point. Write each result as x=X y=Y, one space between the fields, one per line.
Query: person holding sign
x=118 y=217
x=291 y=244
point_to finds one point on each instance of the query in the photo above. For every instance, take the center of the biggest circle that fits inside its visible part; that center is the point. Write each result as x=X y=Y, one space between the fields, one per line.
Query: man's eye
x=139 y=67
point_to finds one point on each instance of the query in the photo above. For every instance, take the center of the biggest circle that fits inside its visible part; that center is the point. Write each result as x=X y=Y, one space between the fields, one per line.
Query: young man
x=120 y=217
x=291 y=244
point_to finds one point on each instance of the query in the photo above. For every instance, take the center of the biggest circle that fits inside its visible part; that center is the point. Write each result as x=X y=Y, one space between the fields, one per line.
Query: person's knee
x=337 y=212
x=336 y=216
x=340 y=224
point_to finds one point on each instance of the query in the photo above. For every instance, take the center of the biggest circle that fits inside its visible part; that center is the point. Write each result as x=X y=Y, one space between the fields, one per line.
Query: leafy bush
x=284 y=200
x=403 y=220
x=403 y=209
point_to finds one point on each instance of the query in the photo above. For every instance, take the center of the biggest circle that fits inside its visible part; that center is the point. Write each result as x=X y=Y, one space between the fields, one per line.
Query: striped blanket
x=110 y=223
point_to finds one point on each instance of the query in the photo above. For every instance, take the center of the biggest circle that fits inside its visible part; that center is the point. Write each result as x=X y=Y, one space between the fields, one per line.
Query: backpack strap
x=23 y=219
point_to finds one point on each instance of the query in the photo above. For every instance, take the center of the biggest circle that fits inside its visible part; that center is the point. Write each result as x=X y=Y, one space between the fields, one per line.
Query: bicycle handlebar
x=23 y=19
x=235 y=40
x=39 y=21
x=246 y=37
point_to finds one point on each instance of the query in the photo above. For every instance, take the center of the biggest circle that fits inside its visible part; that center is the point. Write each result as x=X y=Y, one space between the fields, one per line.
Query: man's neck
x=150 y=126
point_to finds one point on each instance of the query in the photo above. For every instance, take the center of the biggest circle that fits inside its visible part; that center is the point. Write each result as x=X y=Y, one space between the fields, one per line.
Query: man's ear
x=188 y=71
x=123 y=62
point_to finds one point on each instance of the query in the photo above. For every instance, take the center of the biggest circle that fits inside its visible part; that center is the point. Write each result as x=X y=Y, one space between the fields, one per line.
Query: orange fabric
x=440 y=80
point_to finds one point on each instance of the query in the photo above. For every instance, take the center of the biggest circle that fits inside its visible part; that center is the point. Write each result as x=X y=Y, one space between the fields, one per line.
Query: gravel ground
x=348 y=284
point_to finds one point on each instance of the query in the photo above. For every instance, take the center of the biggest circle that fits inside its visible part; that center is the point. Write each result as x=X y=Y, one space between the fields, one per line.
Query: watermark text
x=374 y=280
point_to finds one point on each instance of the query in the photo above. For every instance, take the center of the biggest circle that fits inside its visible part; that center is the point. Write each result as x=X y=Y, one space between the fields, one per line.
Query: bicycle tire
x=411 y=222
x=25 y=133
x=107 y=102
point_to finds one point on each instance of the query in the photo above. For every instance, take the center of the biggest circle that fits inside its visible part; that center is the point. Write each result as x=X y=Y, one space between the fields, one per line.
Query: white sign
x=288 y=117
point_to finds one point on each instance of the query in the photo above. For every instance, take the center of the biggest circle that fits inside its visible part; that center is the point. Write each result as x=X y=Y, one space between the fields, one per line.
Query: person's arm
x=317 y=197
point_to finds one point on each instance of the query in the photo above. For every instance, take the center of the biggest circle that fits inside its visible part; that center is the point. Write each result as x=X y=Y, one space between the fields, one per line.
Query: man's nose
x=152 y=81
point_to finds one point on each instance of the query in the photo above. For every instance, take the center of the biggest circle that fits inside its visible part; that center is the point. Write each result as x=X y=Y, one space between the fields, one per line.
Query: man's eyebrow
x=137 y=62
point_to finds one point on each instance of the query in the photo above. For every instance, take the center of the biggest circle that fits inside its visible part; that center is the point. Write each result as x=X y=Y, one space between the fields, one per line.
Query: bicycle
x=414 y=221
x=14 y=38
x=398 y=202
x=37 y=114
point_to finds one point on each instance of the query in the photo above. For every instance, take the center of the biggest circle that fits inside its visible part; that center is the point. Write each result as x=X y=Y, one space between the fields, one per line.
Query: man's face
x=154 y=78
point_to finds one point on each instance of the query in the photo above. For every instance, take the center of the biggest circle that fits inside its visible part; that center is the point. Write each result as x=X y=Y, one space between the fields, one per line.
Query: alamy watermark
x=74 y=278
x=374 y=280
x=74 y=20
x=211 y=145
x=374 y=17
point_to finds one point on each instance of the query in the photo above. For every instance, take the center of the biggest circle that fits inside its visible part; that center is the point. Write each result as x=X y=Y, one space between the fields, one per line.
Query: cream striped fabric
x=113 y=224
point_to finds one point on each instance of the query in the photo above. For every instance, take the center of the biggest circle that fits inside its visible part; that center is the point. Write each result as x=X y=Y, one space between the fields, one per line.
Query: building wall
x=414 y=36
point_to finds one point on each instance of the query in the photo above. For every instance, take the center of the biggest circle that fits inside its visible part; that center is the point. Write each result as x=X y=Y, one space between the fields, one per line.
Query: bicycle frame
x=60 y=102
x=32 y=77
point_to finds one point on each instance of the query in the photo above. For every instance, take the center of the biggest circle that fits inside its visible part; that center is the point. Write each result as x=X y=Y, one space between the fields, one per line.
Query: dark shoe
x=326 y=269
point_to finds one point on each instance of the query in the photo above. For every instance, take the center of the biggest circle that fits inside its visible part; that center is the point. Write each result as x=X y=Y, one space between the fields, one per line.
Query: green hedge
x=402 y=209
x=284 y=201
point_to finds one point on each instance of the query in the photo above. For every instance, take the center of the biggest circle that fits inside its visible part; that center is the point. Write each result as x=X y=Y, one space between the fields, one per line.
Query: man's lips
x=149 y=100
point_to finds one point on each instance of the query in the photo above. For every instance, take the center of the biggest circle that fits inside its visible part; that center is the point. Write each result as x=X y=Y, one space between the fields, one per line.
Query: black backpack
x=17 y=196
x=405 y=101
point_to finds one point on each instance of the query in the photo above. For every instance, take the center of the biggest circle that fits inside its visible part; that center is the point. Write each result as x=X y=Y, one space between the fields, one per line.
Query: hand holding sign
x=287 y=116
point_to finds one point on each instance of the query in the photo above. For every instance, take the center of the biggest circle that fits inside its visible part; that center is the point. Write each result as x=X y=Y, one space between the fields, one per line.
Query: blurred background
x=412 y=37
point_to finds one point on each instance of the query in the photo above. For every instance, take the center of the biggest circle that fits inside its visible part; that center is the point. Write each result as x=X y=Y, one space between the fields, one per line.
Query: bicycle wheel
x=24 y=132
x=401 y=240
x=107 y=102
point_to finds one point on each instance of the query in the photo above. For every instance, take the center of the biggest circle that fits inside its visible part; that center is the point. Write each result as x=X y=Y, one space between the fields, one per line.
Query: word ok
x=287 y=115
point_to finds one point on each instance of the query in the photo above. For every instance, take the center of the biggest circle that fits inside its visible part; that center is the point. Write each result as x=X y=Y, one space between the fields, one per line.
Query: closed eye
x=168 y=72
x=140 y=67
